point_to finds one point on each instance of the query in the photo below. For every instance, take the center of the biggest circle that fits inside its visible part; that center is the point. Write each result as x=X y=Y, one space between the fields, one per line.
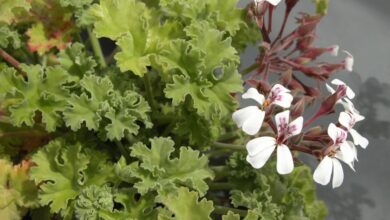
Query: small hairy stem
x=123 y=150
x=228 y=136
x=96 y=48
x=224 y=210
x=10 y=59
x=228 y=146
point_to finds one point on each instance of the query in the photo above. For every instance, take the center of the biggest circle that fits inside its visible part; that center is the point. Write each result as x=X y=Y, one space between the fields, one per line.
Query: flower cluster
x=287 y=99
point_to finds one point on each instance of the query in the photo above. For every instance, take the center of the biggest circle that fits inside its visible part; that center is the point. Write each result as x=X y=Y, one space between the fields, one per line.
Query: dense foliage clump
x=131 y=131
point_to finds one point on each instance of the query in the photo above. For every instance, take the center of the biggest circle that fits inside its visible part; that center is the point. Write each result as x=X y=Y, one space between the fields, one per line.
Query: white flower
x=251 y=118
x=344 y=151
x=272 y=2
x=260 y=149
x=349 y=61
x=349 y=92
x=323 y=172
x=348 y=120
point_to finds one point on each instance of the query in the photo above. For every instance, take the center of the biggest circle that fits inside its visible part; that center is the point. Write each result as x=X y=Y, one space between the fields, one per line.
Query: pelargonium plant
x=129 y=109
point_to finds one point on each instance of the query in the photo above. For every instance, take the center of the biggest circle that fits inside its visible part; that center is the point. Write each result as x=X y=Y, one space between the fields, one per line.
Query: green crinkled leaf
x=156 y=170
x=132 y=57
x=9 y=37
x=76 y=61
x=207 y=96
x=9 y=7
x=259 y=201
x=94 y=202
x=134 y=206
x=226 y=15
x=86 y=107
x=117 y=17
x=63 y=170
x=43 y=92
x=189 y=10
x=211 y=42
x=99 y=101
x=185 y=205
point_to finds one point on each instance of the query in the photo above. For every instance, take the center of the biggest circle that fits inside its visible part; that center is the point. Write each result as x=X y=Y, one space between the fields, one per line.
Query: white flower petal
x=338 y=82
x=257 y=161
x=349 y=61
x=241 y=115
x=345 y=120
x=323 y=171
x=338 y=174
x=353 y=148
x=350 y=93
x=330 y=89
x=274 y=2
x=282 y=120
x=260 y=144
x=295 y=127
x=253 y=94
x=358 y=139
x=339 y=155
x=347 y=152
x=253 y=124
x=285 y=163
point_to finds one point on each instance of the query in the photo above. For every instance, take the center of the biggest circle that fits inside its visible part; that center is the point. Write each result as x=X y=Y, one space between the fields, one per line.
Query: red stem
x=10 y=59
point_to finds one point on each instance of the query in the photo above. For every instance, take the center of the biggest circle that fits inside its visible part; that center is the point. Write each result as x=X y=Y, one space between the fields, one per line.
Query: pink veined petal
x=241 y=115
x=285 y=163
x=345 y=120
x=350 y=93
x=347 y=152
x=253 y=124
x=257 y=161
x=282 y=120
x=277 y=89
x=332 y=132
x=338 y=174
x=274 y=2
x=349 y=61
x=253 y=94
x=260 y=144
x=283 y=100
x=323 y=172
x=358 y=139
x=295 y=127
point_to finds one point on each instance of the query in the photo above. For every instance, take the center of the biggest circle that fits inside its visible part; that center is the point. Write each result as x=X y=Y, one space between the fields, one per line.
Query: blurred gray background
x=363 y=28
